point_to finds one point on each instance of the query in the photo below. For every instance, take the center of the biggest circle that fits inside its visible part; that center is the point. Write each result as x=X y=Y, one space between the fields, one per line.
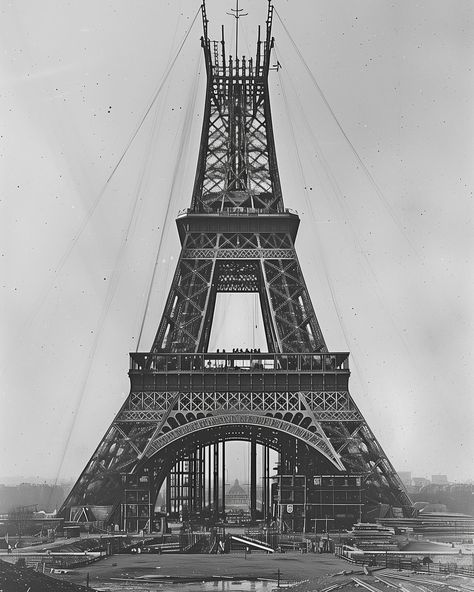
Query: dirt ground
x=309 y=572
x=293 y=567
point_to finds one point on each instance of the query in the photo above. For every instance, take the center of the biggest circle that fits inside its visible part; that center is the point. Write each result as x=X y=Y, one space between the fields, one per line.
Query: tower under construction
x=187 y=402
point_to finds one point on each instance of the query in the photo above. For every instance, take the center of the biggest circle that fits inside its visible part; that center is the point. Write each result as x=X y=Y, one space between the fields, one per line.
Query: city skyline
x=230 y=478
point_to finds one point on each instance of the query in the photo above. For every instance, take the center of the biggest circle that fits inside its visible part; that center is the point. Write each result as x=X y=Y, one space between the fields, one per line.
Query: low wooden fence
x=420 y=562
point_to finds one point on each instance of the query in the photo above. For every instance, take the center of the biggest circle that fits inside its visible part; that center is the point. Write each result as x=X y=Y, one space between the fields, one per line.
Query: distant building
x=439 y=479
x=420 y=481
x=405 y=476
x=456 y=497
x=237 y=503
x=45 y=496
x=237 y=497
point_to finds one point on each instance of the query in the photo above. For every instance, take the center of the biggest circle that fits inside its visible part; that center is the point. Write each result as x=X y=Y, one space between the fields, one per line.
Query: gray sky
x=387 y=256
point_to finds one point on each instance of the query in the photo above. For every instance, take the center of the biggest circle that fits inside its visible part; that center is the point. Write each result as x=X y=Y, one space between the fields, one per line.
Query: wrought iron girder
x=331 y=404
x=100 y=481
x=252 y=241
x=237 y=173
x=235 y=146
x=276 y=269
x=200 y=240
x=199 y=269
x=361 y=453
x=282 y=292
x=292 y=312
x=294 y=328
x=140 y=416
x=234 y=277
x=149 y=401
x=238 y=240
x=238 y=253
x=275 y=240
x=282 y=300
x=316 y=440
x=182 y=322
x=383 y=465
x=335 y=402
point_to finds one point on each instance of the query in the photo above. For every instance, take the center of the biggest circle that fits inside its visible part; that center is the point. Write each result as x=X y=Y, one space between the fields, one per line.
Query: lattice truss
x=138 y=421
x=361 y=453
x=150 y=419
x=327 y=421
x=154 y=405
x=237 y=173
x=236 y=151
x=100 y=482
x=214 y=262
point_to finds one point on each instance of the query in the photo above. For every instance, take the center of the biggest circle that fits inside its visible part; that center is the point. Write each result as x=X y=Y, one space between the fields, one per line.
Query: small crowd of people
x=236 y=350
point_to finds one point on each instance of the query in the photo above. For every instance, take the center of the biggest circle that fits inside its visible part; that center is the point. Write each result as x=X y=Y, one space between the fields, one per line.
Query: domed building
x=237 y=502
x=237 y=497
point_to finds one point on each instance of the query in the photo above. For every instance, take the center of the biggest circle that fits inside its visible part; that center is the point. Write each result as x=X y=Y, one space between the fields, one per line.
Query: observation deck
x=239 y=371
x=239 y=219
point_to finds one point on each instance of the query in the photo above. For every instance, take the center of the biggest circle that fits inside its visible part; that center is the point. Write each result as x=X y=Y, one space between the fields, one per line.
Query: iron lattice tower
x=186 y=402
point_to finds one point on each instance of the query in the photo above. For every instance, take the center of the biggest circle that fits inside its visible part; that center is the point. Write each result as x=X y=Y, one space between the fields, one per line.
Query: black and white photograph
x=237 y=295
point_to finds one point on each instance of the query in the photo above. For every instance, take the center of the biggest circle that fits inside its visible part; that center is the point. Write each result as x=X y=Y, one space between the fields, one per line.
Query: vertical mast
x=237 y=165
x=237 y=14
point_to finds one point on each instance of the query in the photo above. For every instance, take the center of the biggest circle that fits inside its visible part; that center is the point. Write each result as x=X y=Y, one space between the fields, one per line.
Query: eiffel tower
x=187 y=402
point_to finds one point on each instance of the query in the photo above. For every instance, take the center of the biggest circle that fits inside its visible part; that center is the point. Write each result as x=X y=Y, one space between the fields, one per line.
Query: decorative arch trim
x=317 y=441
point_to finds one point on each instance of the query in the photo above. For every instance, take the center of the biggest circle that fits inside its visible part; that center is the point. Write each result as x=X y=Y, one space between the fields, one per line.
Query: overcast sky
x=386 y=242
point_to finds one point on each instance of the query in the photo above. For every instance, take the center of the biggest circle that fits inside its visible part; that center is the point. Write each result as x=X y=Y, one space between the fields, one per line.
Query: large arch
x=185 y=440
x=315 y=439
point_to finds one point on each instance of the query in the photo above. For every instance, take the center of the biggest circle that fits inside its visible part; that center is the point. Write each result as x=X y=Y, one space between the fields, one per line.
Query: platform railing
x=241 y=361
x=237 y=211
